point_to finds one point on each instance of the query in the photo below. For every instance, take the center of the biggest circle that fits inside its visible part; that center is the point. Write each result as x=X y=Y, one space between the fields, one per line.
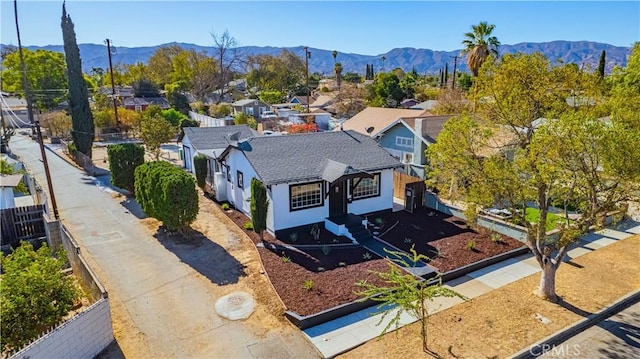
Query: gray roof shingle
x=208 y=138
x=305 y=157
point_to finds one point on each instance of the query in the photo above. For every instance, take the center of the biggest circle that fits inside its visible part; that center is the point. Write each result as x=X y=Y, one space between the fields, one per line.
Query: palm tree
x=383 y=58
x=337 y=68
x=334 y=54
x=479 y=44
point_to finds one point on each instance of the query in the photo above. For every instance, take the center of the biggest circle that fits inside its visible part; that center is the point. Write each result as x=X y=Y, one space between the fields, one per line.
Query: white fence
x=206 y=121
x=90 y=331
x=83 y=336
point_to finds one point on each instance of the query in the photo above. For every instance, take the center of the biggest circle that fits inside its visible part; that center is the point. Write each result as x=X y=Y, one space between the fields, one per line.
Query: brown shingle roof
x=379 y=118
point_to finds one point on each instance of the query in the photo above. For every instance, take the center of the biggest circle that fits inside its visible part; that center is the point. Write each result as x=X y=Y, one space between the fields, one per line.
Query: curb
x=568 y=332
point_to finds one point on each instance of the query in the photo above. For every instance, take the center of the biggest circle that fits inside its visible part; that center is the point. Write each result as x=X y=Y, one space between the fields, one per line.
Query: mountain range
x=583 y=53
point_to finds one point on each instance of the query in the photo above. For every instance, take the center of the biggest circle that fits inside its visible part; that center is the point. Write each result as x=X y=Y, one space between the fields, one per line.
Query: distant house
x=320 y=117
x=251 y=107
x=210 y=141
x=311 y=178
x=408 y=103
x=140 y=104
x=7 y=184
x=407 y=139
x=426 y=105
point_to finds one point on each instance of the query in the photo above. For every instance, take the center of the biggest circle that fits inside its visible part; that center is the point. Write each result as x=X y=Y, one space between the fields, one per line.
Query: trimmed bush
x=123 y=160
x=259 y=206
x=200 y=168
x=166 y=193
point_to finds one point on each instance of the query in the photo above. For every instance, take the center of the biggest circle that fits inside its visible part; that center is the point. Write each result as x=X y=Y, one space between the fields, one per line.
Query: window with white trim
x=240 y=179
x=404 y=141
x=305 y=195
x=408 y=158
x=367 y=187
x=249 y=111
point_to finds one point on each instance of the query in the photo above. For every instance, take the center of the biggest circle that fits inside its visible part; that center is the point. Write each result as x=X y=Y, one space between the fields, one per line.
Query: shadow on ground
x=133 y=207
x=203 y=255
x=626 y=342
x=112 y=351
x=572 y=308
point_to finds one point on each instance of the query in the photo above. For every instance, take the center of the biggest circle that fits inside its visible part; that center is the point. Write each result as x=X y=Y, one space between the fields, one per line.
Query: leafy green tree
x=405 y=292
x=464 y=81
x=123 y=160
x=36 y=295
x=271 y=97
x=177 y=99
x=166 y=193
x=284 y=73
x=479 y=44
x=527 y=146
x=143 y=87
x=57 y=123
x=81 y=117
x=352 y=77
x=242 y=118
x=259 y=207
x=46 y=75
x=601 y=64
x=154 y=131
x=200 y=165
x=625 y=90
x=173 y=116
x=220 y=110
x=385 y=91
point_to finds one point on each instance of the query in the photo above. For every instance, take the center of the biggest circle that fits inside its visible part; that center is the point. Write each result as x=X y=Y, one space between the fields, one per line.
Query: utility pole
x=455 y=64
x=35 y=124
x=306 y=62
x=113 y=87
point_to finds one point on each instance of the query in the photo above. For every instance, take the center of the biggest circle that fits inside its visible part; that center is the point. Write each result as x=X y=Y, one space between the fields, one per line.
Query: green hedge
x=123 y=160
x=200 y=168
x=166 y=193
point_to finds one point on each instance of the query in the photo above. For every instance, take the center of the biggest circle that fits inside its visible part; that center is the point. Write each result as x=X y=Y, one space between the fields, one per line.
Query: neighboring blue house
x=407 y=139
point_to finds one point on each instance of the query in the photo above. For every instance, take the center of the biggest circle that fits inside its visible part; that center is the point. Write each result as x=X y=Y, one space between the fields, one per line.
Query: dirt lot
x=502 y=321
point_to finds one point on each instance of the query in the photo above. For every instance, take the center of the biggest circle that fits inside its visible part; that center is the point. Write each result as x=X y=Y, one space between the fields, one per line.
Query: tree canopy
x=36 y=294
x=528 y=147
x=46 y=75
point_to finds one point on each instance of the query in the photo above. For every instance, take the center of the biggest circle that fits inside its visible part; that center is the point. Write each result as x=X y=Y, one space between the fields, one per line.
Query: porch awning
x=334 y=171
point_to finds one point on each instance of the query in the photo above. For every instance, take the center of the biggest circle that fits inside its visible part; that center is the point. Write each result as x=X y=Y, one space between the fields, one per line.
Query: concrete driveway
x=164 y=306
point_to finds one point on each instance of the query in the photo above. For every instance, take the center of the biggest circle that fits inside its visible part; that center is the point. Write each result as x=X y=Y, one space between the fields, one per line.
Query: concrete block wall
x=81 y=337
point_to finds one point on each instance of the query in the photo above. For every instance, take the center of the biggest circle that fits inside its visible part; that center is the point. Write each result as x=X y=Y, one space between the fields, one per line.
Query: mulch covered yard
x=331 y=286
x=445 y=239
x=312 y=279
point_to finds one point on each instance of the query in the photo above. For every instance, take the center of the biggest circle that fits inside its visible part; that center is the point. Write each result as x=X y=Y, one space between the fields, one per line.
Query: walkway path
x=164 y=297
x=343 y=334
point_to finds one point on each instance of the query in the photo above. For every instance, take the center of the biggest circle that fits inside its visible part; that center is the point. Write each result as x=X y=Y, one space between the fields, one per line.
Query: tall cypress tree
x=601 y=64
x=446 y=75
x=81 y=117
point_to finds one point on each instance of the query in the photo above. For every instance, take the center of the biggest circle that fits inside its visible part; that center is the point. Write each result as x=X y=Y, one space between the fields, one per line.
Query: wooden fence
x=400 y=181
x=22 y=223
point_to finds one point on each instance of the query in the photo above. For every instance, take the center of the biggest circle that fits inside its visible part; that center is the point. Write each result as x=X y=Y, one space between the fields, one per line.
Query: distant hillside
x=423 y=60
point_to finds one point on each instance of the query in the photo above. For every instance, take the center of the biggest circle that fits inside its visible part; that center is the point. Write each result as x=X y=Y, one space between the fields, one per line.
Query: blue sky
x=362 y=27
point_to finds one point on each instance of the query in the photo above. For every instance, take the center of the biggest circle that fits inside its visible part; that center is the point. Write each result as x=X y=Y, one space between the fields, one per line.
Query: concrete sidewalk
x=348 y=332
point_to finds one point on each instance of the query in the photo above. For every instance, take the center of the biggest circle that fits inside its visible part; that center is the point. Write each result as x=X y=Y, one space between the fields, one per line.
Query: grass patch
x=533 y=216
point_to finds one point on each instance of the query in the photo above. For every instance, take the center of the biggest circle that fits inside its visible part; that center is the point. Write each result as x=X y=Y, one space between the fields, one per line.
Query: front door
x=337 y=199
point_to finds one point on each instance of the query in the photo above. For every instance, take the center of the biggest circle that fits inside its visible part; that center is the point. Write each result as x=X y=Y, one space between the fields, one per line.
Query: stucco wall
x=379 y=203
x=284 y=218
x=83 y=336
x=240 y=196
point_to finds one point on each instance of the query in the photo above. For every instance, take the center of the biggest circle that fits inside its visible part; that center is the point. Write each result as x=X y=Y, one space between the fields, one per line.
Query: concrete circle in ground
x=234 y=306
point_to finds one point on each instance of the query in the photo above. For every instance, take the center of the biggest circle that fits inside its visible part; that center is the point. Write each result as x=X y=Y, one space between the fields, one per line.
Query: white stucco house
x=210 y=141
x=310 y=178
